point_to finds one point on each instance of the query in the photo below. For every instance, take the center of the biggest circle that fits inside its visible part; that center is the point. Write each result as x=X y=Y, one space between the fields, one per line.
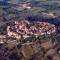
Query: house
x=11 y=33
x=25 y=5
x=22 y=6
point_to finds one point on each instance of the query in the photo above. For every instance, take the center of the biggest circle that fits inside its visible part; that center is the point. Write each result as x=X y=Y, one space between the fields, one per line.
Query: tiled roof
x=24 y=27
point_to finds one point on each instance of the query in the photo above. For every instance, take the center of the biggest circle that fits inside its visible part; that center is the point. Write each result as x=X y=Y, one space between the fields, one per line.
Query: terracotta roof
x=24 y=27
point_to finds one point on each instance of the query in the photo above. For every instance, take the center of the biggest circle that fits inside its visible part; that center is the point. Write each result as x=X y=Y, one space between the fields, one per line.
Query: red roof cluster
x=27 y=28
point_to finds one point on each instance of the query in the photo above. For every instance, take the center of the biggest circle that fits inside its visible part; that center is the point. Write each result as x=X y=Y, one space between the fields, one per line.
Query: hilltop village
x=29 y=39
x=26 y=29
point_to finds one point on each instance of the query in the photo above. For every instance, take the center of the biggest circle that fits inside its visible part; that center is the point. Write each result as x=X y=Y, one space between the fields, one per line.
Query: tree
x=32 y=38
